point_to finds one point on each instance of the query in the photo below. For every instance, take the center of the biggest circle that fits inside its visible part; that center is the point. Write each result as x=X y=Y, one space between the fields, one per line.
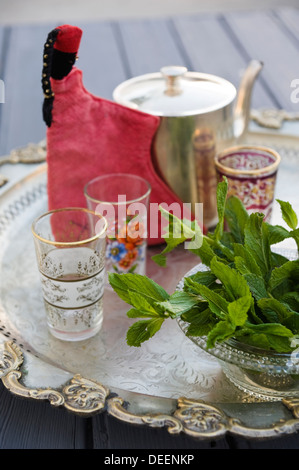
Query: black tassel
x=47 y=110
x=62 y=64
x=46 y=74
x=57 y=65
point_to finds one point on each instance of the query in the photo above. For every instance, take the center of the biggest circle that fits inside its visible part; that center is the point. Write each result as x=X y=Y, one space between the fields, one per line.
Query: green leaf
x=245 y=262
x=202 y=277
x=252 y=274
x=279 y=343
x=205 y=252
x=273 y=310
x=278 y=260
x=178 y=303
x=125 y=285
x=288 y=214
x=135 y=313
x=221 y=194
x=199 y=329
x=234 y=283
x=266 y=341
x=292 y=322
x=279 y=275
x=272 y=329
x=292 y=300
x=140 y=302
x=256 y=285
x=295 y=235
x=222 y=331
x=217 y=303
x=177 y=232
x=200 y=321
x=277 y=233
x=142 y=331
x=258 y=340
x=257 y=242
x=238 y=310
x=236 y=217
x=160 y=259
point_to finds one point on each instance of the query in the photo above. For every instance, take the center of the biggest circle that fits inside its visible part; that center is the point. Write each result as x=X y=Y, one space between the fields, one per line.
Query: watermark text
x=138 y=220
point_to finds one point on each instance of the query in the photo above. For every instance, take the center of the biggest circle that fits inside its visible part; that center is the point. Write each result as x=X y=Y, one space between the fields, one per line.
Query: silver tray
x=167 y=382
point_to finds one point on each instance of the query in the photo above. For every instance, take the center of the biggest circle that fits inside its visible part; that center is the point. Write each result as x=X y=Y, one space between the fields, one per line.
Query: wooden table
x=111 y=52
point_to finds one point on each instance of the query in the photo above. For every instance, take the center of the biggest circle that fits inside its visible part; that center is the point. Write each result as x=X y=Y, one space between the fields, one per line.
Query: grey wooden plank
x=22 y=111
x=3 y=33
x=100 y=58
x=261 y=33
x=211 y=49
x=35 y=424
x=149 y=45
x=289 y=17
x=112 y=433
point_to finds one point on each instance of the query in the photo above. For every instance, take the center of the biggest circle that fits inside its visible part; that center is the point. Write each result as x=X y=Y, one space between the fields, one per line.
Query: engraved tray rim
x=86 y=397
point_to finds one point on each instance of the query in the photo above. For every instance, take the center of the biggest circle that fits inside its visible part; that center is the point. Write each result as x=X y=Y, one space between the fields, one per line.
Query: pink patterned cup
x=251 y=174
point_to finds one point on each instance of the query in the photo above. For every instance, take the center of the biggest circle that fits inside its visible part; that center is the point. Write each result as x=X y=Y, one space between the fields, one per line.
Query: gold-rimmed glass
x=251 y=174
x=70 y=247
x=124 y=201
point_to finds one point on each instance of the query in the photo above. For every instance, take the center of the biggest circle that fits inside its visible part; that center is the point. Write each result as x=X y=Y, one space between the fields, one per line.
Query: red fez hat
x=68 y=38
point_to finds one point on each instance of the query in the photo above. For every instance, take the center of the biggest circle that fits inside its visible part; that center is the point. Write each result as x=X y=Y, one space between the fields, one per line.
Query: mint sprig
x=249 y=293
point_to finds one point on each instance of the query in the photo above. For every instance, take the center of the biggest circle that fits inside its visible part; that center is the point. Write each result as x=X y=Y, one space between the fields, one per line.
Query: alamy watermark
x=295 y=93
x=146 y=221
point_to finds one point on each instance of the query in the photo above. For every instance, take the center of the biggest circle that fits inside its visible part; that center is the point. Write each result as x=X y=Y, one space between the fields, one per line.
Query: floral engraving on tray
x=87 y=397
x=11 y=358
x=200 y=417
x=84 y=395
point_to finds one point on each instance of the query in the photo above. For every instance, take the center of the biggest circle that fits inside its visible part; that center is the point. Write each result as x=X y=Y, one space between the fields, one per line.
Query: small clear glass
x=251 y=173
x=123 y=199
x=70 y=247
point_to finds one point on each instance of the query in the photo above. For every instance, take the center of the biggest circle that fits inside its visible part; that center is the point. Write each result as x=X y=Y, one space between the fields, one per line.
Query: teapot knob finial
x=172 y=73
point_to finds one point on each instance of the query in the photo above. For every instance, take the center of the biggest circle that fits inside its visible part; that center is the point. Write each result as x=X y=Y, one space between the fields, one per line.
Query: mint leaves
x=249 y=292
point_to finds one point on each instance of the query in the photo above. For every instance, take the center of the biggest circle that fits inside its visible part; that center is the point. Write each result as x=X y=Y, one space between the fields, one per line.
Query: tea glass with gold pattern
x=251 y=174
x=70 y=247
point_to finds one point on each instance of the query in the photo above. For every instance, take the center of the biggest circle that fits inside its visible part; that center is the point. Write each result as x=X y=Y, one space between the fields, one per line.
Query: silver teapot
x=200 y=115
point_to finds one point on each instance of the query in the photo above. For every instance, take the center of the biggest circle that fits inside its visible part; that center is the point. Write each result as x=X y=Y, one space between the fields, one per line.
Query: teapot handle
x=243 y=104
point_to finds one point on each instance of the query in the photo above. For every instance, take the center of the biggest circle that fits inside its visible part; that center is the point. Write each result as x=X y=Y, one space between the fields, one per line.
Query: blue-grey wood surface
x=111 y=52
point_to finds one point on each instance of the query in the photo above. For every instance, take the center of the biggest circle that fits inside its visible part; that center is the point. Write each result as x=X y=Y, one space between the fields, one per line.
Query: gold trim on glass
x=238 y=148
x=116 y=203
x=65 y=244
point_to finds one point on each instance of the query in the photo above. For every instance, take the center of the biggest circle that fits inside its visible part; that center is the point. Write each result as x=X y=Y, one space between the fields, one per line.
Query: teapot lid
x=175 y=92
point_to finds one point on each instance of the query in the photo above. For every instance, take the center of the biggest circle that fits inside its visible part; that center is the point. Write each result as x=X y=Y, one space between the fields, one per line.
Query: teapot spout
x=243 y=104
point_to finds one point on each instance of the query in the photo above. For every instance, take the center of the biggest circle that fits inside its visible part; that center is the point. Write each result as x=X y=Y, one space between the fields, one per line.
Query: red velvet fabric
x=68 y=39
x=90 y=136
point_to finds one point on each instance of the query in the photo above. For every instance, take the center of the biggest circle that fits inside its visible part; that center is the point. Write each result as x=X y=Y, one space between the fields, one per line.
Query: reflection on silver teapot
x=200 y=114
